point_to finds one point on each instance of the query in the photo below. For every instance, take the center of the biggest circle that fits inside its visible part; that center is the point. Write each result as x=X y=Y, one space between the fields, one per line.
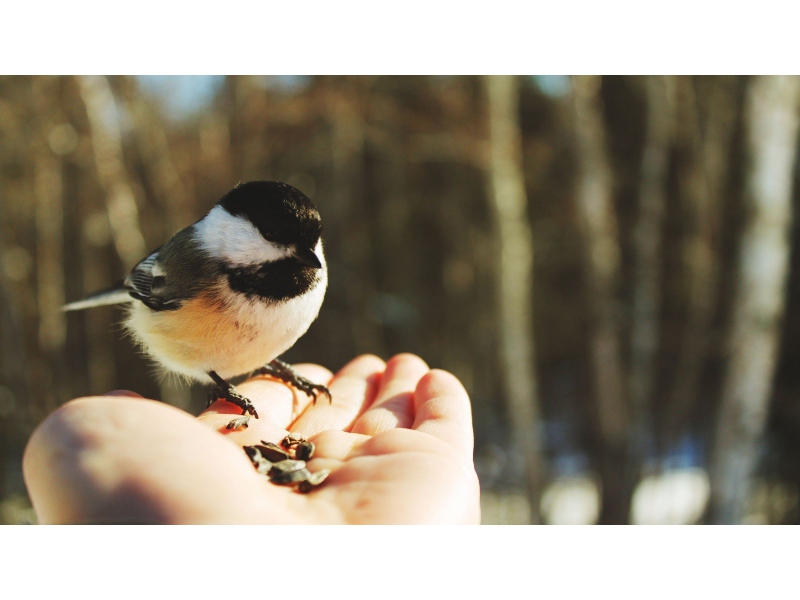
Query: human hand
x=397 y=438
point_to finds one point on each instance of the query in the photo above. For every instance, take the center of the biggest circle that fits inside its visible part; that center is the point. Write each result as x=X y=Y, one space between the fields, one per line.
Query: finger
x=393 y=406
x=123 y=393
x=353 y=387
x=338 y=445
x=442 y=409
x=274 y=400
x=124 y=460
x=255 y=431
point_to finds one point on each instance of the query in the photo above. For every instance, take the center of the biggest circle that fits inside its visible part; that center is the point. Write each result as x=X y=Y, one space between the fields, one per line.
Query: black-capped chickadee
x=229 y=294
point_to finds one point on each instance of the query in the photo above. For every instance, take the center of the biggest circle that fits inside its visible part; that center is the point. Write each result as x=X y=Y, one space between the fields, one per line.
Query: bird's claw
x=285 y=372
x=227 y=392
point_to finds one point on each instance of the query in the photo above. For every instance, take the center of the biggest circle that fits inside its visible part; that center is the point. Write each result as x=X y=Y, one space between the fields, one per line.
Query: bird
x=229 y=294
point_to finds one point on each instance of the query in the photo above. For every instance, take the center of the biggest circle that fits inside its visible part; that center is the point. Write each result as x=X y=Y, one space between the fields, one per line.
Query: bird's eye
x=159 y=281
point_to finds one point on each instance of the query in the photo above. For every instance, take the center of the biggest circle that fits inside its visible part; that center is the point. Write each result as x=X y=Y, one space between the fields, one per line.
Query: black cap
x=281 y=213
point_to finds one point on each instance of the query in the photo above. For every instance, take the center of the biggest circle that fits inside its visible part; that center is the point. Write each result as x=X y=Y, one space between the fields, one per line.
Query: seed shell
x=289 y=477
x=272 y=452
x=314 y=480
x=304 y=451
x=287 y=466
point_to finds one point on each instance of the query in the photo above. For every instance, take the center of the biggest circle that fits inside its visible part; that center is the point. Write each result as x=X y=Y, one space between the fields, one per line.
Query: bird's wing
x=140 y=280
x=178 y=270
x=137 y=286
x=148 y=283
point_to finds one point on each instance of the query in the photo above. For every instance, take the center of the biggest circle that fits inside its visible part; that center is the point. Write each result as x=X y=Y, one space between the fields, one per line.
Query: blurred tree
x=705 y=128
x=772 y=125
x=648 y=235
x=599 y=225
x=48 y=222
x=123 y=213
x=515 y=278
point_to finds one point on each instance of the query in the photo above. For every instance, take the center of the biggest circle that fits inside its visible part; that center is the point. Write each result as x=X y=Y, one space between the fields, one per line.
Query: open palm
x=397 y=438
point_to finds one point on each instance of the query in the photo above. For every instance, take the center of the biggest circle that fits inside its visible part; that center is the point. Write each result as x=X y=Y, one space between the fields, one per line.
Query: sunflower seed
x=239 y=422
x=304 y=451
x=253 y=453
x=314 y=480
x=292 y=440
x=271 y=451
x=287 y=466
x=289 y=477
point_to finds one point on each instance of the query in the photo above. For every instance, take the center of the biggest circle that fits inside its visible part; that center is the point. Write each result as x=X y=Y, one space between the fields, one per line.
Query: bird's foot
x=227 y=392
x=285 y=372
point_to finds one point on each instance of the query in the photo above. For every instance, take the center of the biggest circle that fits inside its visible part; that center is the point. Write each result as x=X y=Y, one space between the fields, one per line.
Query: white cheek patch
x=320 y=254
x=236 y=240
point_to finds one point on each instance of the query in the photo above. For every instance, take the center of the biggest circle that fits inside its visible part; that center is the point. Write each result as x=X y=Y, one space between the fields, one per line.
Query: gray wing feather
x=137 y=286
x=163 y=280
x=148 y=283
x=140 y=281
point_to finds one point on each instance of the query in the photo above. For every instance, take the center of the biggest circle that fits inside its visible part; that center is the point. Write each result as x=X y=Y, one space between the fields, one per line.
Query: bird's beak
x=307 y=257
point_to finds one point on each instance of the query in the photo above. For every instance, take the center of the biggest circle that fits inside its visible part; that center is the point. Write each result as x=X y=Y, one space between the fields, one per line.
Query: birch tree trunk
x=771 y=127
x=648 y=267
x=123 y=215
x=49 y=251
x=173 y=194
x=348 y=138
x=121 y=219
x=515 y=274
x=702 y=185
x=49 y=220
x=599 y=225
x=13 y=356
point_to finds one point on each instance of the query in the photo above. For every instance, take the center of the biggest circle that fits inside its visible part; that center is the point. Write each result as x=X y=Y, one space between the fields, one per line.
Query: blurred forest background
x=610 y=265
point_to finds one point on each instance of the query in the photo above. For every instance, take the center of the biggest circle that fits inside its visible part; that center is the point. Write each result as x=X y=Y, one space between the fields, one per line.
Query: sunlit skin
x=397 y=438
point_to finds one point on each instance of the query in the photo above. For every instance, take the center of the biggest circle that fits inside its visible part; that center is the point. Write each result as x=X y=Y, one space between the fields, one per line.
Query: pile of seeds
x=286 y=464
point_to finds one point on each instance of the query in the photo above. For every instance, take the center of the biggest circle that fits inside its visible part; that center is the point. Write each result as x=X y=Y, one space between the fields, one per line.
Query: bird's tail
x=115 y=295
